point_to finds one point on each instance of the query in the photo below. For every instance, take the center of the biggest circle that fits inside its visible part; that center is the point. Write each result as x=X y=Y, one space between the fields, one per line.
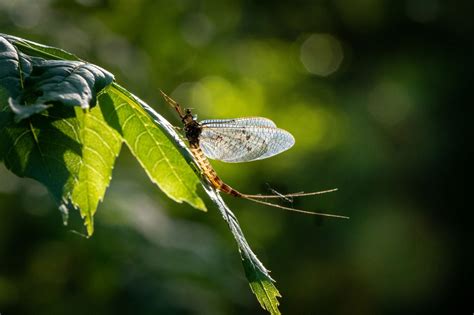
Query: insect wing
x=243 y=140
x=239 y=122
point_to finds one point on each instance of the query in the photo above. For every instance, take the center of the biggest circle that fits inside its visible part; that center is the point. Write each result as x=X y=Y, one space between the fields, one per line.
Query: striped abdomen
x=211 y=174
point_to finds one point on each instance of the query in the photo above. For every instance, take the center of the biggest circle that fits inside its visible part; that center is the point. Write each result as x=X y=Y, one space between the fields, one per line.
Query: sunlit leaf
x=100 y=147
x=152 y=147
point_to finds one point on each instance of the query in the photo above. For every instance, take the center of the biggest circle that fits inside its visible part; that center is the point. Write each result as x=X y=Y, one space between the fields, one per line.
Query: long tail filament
x=295 y=210
x=287 y=196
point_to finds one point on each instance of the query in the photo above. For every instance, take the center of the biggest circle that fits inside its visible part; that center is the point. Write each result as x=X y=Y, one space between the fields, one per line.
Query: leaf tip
x=200 y=205
x=89 y=223
x=262 y=287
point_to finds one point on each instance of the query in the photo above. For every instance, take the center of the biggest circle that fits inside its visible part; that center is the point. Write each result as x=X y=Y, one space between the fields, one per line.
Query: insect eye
x=188 y=111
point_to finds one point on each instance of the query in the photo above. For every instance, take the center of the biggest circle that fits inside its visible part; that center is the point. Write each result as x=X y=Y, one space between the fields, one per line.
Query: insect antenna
x=173 y=104
x=295 y=210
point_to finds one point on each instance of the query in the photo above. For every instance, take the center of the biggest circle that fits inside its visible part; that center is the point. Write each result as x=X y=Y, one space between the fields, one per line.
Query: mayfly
x=237 y=140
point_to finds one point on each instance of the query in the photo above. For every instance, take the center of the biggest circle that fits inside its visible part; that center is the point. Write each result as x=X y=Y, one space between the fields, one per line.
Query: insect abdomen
x=211 y=174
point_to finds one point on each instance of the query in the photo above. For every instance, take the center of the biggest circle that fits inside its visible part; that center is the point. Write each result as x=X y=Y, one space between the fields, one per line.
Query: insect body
x=237 y=140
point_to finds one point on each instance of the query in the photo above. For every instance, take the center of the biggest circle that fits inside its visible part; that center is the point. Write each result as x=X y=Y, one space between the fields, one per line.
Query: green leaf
x=36 y=81
x=258 y=276
x=71 y=152
x=13 y=67
x=100 y=147
x=153 y=147
x=45 y=147
x=70 y=83
x=39 y=50
x=262 y=286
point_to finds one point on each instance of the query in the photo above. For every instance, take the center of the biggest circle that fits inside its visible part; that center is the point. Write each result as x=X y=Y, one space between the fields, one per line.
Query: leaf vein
x=163 y=154
x=17 y=140
x=90 y=167
x=97 y=135
x=102 y=123
x=156 y=164
x=137 y=139
x=104 y=163
x=149 y=151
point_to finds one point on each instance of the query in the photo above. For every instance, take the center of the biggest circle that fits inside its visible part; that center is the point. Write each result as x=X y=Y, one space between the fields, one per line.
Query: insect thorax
x=193 y=130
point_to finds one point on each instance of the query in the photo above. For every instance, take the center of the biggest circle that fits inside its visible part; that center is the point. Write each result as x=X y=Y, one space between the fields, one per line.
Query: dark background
x=378 y=96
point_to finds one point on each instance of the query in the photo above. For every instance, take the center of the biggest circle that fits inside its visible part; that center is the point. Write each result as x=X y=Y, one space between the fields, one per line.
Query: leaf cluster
x=63 y=122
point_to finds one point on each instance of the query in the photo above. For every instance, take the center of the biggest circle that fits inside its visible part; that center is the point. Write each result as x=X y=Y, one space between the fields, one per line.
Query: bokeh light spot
x=389 y=103
x=312 y=126
x=215 y=97
x=228 y=100
x=27 y=14
x=197 y=30
x=321 y=54
x=265 y=61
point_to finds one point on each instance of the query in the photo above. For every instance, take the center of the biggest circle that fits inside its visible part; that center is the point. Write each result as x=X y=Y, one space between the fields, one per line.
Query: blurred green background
x=375 y=93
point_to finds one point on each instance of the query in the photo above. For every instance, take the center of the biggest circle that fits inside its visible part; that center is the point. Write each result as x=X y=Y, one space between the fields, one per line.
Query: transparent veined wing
x=243 y=139
x=239 y=122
